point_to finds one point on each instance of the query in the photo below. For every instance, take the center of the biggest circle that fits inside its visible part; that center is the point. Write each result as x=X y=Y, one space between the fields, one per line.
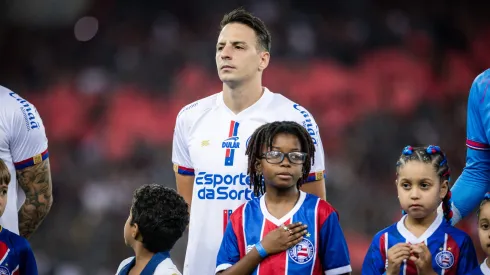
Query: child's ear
x=444 y=189
x=135 y=232
x=258 y=166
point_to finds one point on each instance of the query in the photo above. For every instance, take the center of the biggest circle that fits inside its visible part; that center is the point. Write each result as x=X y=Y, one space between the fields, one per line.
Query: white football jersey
x=210 y=143
x=156 y=266
x=23 y=143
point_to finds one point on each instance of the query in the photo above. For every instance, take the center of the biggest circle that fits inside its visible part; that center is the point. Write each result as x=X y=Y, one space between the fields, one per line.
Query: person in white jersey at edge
x=24 y=149
x=211 y=135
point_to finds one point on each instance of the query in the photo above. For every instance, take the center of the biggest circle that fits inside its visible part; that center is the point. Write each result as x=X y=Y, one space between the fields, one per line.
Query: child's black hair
x=431 y=154
x=485 y=200
x=161 y=215
x=264 y=136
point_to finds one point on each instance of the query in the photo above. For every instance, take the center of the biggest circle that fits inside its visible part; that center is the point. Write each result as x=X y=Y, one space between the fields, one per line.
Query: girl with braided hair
x=423 y=241
x=483 y=215
x=283 y=230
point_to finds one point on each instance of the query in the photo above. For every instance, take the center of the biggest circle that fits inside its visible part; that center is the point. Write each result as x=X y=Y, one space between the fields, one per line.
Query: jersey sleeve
x=180 y=148
x=474 y=182
x=27 y=264
x=303 y=117
x=27 y=135
x=334 y=253
x=468 y=260
x=478 y=117
x=229 y=253
x=373 y=261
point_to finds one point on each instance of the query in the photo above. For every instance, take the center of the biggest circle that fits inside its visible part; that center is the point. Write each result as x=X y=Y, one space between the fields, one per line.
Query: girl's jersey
x=322 y=251
x=451 y=249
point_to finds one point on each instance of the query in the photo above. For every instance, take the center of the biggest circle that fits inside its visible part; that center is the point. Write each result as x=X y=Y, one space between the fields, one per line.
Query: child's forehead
x=417 y=169
x=485 y=210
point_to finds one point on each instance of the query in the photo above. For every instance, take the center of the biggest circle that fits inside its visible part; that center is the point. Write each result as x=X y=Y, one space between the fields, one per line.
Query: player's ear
x=264 y=60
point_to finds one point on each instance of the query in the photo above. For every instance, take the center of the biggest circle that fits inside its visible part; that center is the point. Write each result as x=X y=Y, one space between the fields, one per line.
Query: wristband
x=261 y=250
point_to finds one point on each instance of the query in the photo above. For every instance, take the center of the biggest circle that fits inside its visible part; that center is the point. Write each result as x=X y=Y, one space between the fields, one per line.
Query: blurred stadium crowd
x=108 y=78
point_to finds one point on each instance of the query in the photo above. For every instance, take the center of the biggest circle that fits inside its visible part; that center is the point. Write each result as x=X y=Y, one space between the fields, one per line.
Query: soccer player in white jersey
x=24 y=148
x=211 y=135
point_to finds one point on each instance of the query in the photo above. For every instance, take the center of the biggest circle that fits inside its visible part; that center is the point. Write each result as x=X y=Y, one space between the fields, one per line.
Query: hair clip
x=408 y=150
x=431 y=149
x=487 y=196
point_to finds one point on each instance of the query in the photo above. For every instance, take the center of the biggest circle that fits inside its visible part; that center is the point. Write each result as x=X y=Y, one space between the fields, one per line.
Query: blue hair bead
x=408 y=150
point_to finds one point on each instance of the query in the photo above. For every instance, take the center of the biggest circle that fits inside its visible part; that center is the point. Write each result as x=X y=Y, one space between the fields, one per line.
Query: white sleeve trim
x=339 y=270
x=222 y=267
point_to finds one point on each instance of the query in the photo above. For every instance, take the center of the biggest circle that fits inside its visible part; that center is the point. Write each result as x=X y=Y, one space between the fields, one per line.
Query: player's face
x=420 y=190
x=484 y=227
x=237 y=55
x=3 y=197
x=283 y=175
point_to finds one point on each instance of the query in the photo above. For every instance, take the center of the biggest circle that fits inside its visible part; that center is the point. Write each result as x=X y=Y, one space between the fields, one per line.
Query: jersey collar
x=411 y=238
x=289 y=215
x=260 y=104
x=150 y=267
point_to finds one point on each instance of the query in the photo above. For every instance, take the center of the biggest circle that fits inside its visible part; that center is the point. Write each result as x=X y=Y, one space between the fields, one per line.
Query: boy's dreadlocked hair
x=485 y=200
x=431 y=154
x=264 y=136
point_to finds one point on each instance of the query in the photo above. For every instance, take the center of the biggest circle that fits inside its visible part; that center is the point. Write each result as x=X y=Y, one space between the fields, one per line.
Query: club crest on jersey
x=444 y=259
x=231 y=143
x=303 y=252
x=4 y=271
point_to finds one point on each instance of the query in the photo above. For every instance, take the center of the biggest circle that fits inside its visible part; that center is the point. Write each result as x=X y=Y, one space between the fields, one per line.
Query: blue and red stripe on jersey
x=314 y=176
x=184 y=170
x=477 y=145
x=230 y=152
x=32 y=161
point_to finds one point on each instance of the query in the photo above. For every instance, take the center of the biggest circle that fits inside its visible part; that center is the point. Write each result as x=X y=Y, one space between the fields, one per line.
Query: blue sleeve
x=373 y=262
x=28 y=264
x=474 y=182
x=467 y=257
x=228 y=253
x=334 y=253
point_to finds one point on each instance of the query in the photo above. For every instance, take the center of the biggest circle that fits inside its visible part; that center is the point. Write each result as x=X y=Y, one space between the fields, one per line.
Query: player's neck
x=240 y=97
x=487 y=262
x=418 y=226
x=142 y=256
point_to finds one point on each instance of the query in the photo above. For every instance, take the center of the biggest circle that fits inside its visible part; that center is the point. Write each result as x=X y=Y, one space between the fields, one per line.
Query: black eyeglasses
x=275 y=157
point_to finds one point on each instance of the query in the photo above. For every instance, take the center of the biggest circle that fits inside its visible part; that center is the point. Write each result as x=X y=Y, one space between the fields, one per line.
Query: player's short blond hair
x=4 y=173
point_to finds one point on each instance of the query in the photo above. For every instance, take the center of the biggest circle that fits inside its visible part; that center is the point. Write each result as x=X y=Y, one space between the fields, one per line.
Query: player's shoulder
x=238 y=213
x=288 y=108
x=16 y=240
x=197 y=108
x=481 y=83
x=11 y=100
x=123 y=264
x=457 y=234
x=391 y=230
x=167 y=267
x=483 y=77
